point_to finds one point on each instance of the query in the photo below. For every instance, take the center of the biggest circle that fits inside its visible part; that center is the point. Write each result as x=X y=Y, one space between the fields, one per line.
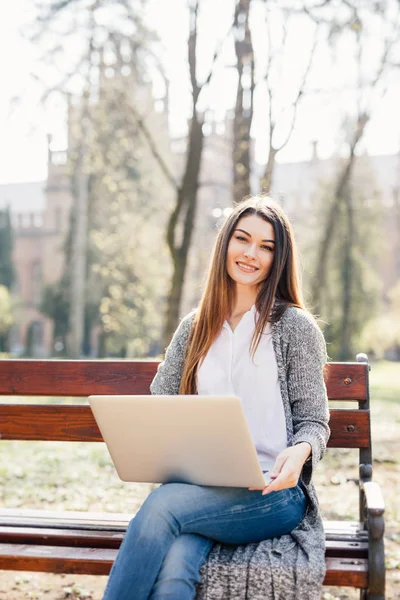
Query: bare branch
x=61 y=85
x=300 y=91
x=217 y=184
x=153 y=148
x=218 y=51
x=192 y=54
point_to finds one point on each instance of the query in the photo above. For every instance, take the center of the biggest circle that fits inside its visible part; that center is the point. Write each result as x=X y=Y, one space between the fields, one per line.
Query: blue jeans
x=171 y=536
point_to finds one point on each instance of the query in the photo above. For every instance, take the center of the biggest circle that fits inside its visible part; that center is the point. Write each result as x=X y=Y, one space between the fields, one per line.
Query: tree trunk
x=396 y=203
x=243 y=114
x=340 y=190
x=266 y=181
x=79 y=257
x=183 y=218
x=347 y=280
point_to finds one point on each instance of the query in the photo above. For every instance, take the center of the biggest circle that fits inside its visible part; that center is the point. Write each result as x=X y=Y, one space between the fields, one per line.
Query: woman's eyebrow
x=243 y=231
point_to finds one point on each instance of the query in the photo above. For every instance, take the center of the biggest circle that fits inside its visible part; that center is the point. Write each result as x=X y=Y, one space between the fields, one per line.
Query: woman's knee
x=165 y=502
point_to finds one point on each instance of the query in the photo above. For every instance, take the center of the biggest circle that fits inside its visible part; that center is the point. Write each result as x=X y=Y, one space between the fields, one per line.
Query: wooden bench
x=87 y=543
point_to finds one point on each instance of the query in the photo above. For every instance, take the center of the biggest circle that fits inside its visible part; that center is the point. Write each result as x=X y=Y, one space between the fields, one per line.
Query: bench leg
x=376 y=583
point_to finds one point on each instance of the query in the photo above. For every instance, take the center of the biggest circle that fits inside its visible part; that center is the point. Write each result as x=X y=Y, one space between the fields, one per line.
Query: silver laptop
x=203 y=440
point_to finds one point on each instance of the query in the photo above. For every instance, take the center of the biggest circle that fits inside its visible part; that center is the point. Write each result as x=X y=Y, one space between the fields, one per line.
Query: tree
x=381 y=334
x=341 y=220
x=282 y=114
x=128 y=210
x=115 y=45
x=181 y=222
x=6 y=317
x=244 y=107
x=352 y=279
x=123 y=36
x=7 y=271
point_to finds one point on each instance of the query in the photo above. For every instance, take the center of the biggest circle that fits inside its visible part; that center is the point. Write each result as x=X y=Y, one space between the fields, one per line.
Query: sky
x=23 y=142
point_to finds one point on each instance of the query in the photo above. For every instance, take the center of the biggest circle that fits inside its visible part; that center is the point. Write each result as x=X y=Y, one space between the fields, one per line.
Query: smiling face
x=250 y=253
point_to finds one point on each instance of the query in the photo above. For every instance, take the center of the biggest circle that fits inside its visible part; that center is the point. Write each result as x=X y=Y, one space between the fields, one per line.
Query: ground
x=81 y=477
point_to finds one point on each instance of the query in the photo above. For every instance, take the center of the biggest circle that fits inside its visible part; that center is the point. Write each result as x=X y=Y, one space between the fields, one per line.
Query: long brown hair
x=280 y=290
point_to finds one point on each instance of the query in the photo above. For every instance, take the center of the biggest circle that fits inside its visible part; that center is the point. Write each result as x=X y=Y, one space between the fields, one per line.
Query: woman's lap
x=176 y=518
x=230 y=515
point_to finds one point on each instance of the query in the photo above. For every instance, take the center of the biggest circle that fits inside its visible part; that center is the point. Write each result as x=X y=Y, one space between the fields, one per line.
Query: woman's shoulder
x=188 y=319
x=298 y=322
x=185 y=324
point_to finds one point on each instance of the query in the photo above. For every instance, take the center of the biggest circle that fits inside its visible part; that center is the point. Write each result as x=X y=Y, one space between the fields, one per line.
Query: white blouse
x=228 y=369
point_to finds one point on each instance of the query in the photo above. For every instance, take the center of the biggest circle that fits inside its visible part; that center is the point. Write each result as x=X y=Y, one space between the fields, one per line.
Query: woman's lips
x=246 y=268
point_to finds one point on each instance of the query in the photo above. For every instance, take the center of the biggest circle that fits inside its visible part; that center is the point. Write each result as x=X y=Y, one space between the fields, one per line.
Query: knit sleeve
x=307 y=392
x=169 y=373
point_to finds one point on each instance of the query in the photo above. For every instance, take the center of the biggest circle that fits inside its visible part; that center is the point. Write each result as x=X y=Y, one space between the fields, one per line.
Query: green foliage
x=55 y=305
x=6 y=315
x=7 y=272
x=382 y=333
x=365 y=260
x=127 y=215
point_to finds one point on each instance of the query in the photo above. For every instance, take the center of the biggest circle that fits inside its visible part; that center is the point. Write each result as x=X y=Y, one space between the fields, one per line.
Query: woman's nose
x=250 y=251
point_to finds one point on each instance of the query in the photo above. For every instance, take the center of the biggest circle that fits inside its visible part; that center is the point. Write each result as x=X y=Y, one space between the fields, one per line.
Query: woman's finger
x=279 y=462
x=287 y=478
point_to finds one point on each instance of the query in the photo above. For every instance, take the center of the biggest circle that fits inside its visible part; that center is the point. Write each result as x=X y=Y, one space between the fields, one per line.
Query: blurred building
x=40 y=218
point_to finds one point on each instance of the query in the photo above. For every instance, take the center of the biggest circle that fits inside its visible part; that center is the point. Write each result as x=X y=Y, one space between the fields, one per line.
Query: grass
x=385 y=381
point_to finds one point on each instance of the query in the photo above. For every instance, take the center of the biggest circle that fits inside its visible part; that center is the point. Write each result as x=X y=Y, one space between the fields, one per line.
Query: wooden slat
x=48 y=422
x=347 y=381
x=349 y=428
x=63 y=422
x=56 y=559
x=347 y=572
x=98 y=561
x=20 y=377
x=27 y=517
x=75 y=377
x=70 y=518
x=87 y=538
x=46 y=536
x=342 y=528
x=347 y=549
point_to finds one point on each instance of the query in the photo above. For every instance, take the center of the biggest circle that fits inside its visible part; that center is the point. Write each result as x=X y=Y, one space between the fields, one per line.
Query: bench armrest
x=374 y=501
x=375 y=524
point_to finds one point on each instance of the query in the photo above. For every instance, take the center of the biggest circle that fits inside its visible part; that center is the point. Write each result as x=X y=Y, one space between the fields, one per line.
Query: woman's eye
x=267 y=248
x=241 y=238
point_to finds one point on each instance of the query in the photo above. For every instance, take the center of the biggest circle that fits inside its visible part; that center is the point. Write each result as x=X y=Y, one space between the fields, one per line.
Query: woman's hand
x=287 y=468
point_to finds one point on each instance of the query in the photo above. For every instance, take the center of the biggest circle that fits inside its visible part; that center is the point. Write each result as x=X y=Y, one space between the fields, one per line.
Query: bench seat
x=87 y=543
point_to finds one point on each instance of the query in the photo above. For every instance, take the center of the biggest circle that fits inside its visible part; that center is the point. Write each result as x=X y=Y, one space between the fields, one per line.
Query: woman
x=250 y=336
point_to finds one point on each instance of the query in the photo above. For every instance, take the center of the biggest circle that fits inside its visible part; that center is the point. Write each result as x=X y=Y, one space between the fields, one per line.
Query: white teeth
x=246 y=267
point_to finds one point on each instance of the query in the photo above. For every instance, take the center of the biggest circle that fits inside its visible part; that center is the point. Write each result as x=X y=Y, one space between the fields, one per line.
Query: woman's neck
x=245 y=298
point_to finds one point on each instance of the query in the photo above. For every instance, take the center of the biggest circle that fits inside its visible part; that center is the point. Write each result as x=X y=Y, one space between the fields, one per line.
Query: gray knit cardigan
x=291 y=567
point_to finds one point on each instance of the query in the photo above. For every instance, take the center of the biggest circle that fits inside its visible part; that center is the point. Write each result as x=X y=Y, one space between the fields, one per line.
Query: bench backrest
x=65 y=422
